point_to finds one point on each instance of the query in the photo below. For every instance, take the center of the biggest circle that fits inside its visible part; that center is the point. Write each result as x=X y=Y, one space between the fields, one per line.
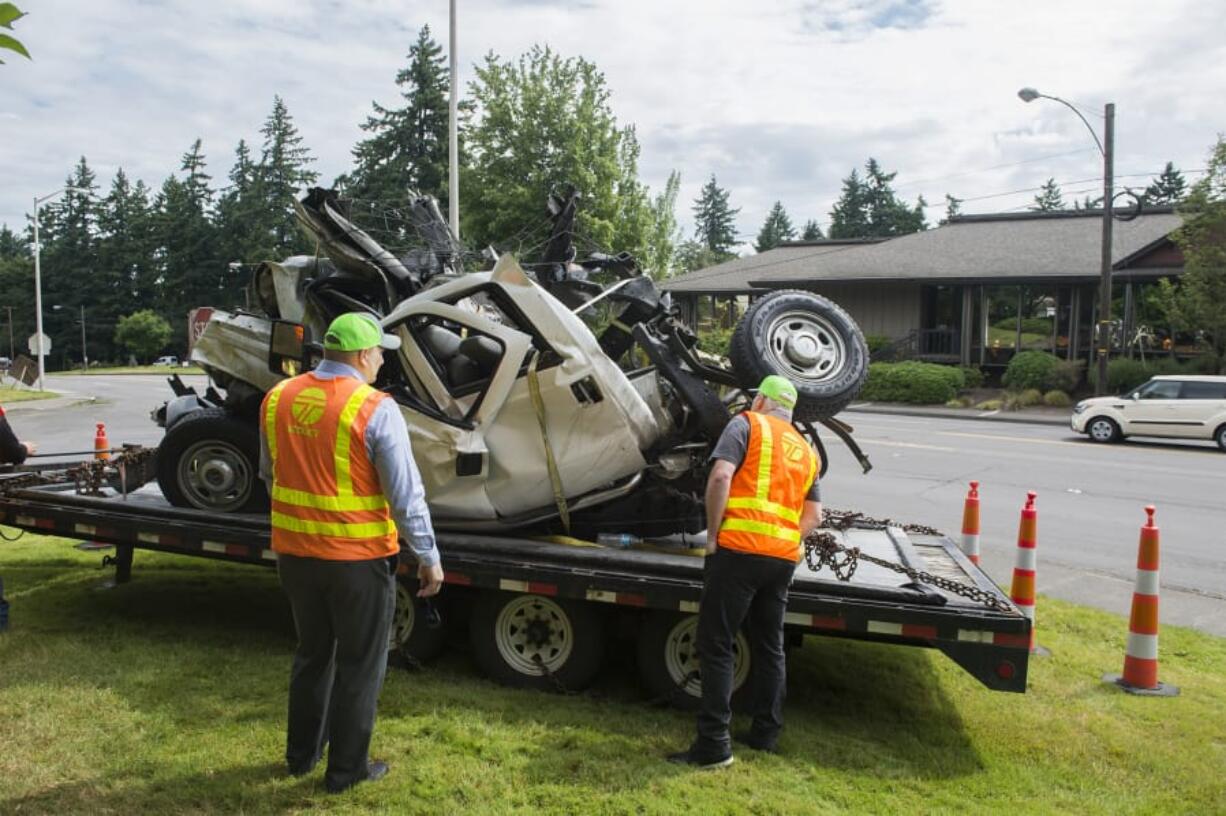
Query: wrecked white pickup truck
x=535 y=399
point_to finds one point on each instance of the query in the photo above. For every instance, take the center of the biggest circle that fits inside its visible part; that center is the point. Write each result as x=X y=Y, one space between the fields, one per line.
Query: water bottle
x=618 y=541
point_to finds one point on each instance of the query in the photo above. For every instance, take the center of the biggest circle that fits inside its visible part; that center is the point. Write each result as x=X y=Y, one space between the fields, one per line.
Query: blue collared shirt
x=387 y=443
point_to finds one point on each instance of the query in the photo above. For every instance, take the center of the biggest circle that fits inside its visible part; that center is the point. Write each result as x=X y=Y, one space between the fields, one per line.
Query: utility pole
x=1104 y=294
x=453 y=134
x=38 y=297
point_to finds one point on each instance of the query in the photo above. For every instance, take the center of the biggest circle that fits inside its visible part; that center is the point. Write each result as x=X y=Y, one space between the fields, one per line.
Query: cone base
x=1040 y=651
x=1160 y=690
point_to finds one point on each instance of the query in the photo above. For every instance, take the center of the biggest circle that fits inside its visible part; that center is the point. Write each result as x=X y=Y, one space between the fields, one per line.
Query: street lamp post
x=38 y=280
x=1107 y=148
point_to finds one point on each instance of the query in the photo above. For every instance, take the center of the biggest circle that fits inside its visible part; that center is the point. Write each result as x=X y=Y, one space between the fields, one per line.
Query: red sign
x=197 y=319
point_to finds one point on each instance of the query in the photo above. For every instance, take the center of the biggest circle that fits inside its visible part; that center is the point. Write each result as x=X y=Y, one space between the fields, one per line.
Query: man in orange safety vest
x=335 y=453
x=762 y=499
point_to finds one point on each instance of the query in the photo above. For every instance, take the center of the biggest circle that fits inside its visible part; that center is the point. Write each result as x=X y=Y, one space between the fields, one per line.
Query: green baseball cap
x=355 y=331
x=778 y=389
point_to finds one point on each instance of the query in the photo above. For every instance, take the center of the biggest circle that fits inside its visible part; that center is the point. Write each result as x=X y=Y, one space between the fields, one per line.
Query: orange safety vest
x=768 y=491
x=326 y=499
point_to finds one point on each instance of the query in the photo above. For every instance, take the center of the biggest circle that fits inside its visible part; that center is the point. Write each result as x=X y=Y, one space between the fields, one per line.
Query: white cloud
x=780 y=100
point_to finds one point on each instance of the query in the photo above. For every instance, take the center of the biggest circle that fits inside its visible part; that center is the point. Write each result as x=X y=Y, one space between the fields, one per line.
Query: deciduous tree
x=144 y=333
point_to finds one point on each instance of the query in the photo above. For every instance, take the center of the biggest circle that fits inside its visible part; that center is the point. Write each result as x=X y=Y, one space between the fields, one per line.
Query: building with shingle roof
x=974 y=290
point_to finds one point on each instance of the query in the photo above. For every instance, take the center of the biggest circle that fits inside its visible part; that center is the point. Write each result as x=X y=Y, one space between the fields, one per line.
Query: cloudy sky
x=780 y=99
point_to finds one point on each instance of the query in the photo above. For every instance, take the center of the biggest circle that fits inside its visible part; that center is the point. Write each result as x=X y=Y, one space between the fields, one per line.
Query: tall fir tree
x=953 y=207
x=1167 y=188
x=189 y=271
x=1049 y=198
x=406 y=149
x=812 y=231
x=715 y=220
x=125 y=260
x=775 y=230
x=243 y=219
x=869 y=208
x=69 y=259
x=283 y=172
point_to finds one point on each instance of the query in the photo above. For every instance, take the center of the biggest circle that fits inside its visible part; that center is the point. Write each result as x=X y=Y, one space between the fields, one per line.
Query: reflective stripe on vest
x=762 y=514
x=325 y=505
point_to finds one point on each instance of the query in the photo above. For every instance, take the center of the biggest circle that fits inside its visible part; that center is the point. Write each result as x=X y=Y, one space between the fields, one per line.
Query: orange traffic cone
x=1141 y=655
x=1022 y=591
x=102 y=447
x=970 y=524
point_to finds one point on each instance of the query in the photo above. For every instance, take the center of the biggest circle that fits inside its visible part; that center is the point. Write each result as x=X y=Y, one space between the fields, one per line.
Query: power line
x=994 y=167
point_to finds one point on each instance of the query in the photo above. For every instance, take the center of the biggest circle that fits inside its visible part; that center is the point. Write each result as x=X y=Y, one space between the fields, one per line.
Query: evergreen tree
x=868 y=207
x=69 y=233
x=125 y=261
x=812 y=231
x=1167 y=188
x=953 y=207
x=715 y=220
x=407 y=146
x=775 y=230
x=1088 y=203
x=849 y=216
x=16 y=293
x=244 y=221
x=1049 y=197
x=283 y=172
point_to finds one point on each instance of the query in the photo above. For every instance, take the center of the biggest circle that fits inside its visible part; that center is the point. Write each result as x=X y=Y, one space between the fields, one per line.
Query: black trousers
x=343 y=615
x=739 y=588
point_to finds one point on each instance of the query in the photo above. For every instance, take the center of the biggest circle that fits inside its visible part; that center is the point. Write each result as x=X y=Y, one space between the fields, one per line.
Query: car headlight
x=1079 y=407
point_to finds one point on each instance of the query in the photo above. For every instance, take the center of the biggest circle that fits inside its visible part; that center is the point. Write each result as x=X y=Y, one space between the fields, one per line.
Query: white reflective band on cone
x=1026 y=558
x=1144 y=647
x=970 y=544
x=1147 y=582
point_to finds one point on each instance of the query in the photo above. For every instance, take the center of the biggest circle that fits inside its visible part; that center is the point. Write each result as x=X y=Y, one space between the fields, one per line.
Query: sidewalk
x=1033 y=416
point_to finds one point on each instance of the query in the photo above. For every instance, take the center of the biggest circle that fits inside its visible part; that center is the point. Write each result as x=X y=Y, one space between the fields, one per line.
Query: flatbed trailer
x=537 y=609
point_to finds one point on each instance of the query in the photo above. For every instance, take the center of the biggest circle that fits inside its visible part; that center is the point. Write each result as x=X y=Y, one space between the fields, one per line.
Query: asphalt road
x=1091 y=501
x=1091 y=498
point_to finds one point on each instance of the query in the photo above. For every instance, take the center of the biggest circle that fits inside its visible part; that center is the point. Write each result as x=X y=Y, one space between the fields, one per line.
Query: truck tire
x=414 y=641
x=209 y=460
x=511 y=632
x=807 y=339
x=668 y=661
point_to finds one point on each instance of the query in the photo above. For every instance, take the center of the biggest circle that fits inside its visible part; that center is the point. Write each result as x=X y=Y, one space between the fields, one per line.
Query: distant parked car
x=5 y=363
x=1178 y=406
x=168 y=360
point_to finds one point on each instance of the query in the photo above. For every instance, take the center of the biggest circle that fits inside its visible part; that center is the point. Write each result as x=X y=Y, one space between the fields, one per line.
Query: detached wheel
x=809 y=340
x=414 y=641
x=209 y=460
x=668 y=661
x=1103 y=429
x=530 y=641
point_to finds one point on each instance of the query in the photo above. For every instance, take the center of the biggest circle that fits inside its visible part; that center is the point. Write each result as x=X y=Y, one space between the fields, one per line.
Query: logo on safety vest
x=308 y=407
x=793 y=449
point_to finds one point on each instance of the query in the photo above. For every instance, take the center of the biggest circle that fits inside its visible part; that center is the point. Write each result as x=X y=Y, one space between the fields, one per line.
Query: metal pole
x=38 y=300
x=1104 y=294
x=84 y=353
x=453 y=135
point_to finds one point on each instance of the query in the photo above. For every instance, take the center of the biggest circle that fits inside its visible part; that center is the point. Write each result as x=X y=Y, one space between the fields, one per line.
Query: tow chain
x=822 y=549
x=558 y=686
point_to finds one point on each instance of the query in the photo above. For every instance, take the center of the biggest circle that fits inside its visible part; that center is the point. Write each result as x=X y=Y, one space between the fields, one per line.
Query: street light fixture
x=38 y=280
x=1107 y=148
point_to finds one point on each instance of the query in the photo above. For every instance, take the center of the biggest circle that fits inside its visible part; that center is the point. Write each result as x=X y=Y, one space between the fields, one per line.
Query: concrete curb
x=1023 y=417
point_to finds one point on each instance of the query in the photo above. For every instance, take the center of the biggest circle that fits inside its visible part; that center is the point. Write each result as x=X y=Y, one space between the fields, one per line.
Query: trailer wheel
x=209 y=460
x=411 y=638
x=531 y=641
x=668 y=660
x=807 y=339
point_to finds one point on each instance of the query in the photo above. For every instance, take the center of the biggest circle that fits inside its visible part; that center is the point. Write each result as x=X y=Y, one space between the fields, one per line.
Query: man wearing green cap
x=762 y=499
x=336 y=456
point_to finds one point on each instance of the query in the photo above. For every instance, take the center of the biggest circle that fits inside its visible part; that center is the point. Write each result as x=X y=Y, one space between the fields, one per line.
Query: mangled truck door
x=461 y=366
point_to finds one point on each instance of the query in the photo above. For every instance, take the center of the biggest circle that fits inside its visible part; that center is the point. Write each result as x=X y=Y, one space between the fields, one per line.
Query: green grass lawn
x=9 y=394
x=147 y=369
x=1006 y=338
x=168 y=695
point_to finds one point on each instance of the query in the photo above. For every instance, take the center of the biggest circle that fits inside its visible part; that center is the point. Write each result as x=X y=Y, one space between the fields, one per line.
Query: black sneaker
x=747 y=739
x=376 y=769
x=706 y=762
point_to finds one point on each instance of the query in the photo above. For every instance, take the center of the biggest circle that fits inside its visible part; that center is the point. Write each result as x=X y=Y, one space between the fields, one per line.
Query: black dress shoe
x=706 y=762
x=376 y=769
x=750 y=741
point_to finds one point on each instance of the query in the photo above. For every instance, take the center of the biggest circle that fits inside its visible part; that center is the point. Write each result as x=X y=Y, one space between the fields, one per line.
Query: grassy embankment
x=9 y=394
x=147 y=369
x=168 y=696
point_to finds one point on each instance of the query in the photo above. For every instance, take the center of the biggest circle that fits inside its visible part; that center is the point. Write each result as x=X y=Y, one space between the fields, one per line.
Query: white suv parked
x=1182 y=406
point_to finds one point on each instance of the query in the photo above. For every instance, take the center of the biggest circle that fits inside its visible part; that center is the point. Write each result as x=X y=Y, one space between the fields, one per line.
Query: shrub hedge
x=1030 y=369
x=920 y=383
x=1124 y=374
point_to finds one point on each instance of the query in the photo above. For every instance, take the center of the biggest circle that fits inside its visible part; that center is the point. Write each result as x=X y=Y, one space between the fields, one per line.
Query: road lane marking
x=892 y=444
